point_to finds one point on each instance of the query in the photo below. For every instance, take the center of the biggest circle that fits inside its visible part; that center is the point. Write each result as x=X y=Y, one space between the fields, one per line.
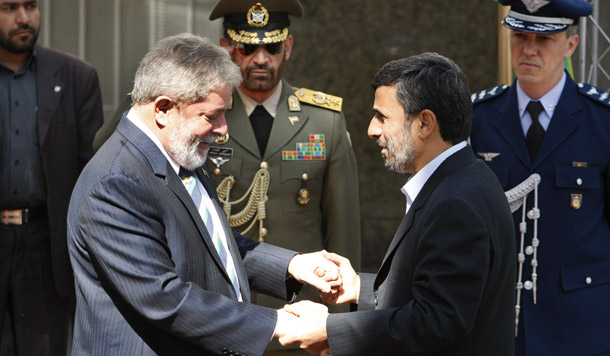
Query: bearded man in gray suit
x=158 y=270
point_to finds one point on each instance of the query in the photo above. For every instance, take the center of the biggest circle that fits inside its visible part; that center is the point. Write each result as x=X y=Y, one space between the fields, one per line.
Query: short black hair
x=434 y=82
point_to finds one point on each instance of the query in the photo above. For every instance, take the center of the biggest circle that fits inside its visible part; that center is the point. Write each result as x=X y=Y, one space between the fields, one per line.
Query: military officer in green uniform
x=286 y=170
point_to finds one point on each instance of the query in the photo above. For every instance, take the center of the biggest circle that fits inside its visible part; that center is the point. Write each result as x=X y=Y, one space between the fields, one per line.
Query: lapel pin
x=57 y=89
x=293 y=119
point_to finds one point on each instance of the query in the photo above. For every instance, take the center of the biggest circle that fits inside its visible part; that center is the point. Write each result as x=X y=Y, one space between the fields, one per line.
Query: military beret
x=544 y=16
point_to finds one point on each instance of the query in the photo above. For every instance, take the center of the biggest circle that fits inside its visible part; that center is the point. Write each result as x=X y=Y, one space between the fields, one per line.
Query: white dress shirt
x=549 y=103
x=414 y=185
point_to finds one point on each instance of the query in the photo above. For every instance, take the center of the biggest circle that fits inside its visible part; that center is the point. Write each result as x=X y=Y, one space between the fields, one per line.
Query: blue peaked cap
x=544 y=16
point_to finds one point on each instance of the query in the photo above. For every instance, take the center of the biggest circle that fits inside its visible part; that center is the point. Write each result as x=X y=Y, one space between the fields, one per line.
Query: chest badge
x=315 y=149
x=488 y=156
x=218 y=161
x=576 y=201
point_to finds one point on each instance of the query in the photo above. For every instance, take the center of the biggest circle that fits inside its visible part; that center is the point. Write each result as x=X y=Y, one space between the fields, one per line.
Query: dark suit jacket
x=571 y=316
x=69 y=114
x=446 y=285
x=148 y=278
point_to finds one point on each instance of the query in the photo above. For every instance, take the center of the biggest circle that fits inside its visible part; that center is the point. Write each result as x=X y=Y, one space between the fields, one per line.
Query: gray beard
x=183 y=147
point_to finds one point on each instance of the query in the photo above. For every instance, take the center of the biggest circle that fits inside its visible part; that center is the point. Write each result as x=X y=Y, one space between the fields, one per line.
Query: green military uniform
x=288 y=179
x=331 y=218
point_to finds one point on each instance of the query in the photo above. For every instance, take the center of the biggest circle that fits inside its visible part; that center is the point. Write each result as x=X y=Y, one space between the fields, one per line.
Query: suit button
x=376 y=300
x=528 y=285
x=579 y=181
x=225 y=351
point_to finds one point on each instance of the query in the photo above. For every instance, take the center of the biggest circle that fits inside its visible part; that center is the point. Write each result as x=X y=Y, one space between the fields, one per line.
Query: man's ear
x=427 y=123
x=163 y=105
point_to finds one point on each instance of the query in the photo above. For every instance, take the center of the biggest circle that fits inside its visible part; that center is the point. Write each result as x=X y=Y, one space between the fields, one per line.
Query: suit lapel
x=508 y=125
x=563 y=122
x=283 y=129
x=49 y=88
x=162 y=168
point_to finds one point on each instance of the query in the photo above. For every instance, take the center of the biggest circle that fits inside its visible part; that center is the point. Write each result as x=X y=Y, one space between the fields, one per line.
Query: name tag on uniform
x=221 y=151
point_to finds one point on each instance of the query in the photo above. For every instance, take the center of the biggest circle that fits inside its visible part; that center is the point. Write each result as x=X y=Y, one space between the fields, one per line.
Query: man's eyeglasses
x=248 y=49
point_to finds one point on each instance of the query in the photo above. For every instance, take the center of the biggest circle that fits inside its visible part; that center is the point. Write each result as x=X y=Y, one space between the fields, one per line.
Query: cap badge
x=257 y=16
x=534 y=5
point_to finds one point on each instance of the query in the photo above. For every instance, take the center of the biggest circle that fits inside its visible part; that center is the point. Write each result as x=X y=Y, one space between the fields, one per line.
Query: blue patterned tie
x=208 y=214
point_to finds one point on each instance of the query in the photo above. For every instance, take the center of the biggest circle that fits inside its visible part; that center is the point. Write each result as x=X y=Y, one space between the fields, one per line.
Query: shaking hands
x=305 y=322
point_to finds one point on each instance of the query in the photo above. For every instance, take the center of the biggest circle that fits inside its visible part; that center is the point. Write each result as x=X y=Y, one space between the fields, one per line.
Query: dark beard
x=18 y=46
x=263 y=85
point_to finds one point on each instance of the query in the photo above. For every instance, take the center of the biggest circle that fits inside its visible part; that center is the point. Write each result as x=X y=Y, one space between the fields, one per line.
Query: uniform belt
x=20 y=216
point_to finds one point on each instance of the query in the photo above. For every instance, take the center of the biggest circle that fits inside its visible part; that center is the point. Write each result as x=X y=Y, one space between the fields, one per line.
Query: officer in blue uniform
x=547 y=124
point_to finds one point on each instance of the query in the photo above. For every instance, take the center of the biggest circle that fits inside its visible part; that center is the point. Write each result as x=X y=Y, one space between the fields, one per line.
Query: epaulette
x=320 y=99
x=594 y=93
x=488 y=93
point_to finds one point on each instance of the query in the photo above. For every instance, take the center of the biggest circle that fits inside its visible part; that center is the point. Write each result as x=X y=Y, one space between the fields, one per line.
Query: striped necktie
x=212 y=223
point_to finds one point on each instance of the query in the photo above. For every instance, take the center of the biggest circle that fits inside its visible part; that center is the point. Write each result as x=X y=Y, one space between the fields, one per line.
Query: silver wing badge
x=488 y=156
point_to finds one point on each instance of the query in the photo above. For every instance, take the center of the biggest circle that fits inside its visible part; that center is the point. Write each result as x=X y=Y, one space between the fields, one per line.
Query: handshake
x=305 y=322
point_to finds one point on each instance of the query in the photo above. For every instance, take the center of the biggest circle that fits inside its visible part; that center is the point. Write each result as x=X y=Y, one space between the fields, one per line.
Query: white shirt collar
x=133 y=116
x=549 y=103
x=415 y=184
x=270 y=104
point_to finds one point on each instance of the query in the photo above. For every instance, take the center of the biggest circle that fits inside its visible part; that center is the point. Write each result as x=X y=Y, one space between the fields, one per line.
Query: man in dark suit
x=547 y=124
x=158 y=270
x=50 y=109
x=446 y=284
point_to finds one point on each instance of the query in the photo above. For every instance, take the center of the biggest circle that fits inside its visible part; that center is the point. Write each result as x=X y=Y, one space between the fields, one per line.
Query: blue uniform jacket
x=572 y=314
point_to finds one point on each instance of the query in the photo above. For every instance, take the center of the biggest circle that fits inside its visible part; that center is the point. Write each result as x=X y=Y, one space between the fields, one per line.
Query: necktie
x=535 y=133
x=207 y=212
x=261 y=122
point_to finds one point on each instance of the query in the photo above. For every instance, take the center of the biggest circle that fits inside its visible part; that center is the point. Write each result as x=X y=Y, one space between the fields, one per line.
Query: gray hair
x=431 y=81
x=572 y=30
x=184 y=67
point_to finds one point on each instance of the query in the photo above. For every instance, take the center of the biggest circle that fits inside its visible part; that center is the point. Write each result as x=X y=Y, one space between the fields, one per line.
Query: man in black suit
x=446 y=284
x=50 y=109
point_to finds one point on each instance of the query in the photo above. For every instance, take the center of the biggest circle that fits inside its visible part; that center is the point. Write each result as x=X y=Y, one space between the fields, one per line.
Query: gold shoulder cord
x=254 y=209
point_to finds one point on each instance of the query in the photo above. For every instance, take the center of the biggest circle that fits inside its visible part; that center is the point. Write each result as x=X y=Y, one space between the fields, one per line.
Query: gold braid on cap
x=248 y=37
